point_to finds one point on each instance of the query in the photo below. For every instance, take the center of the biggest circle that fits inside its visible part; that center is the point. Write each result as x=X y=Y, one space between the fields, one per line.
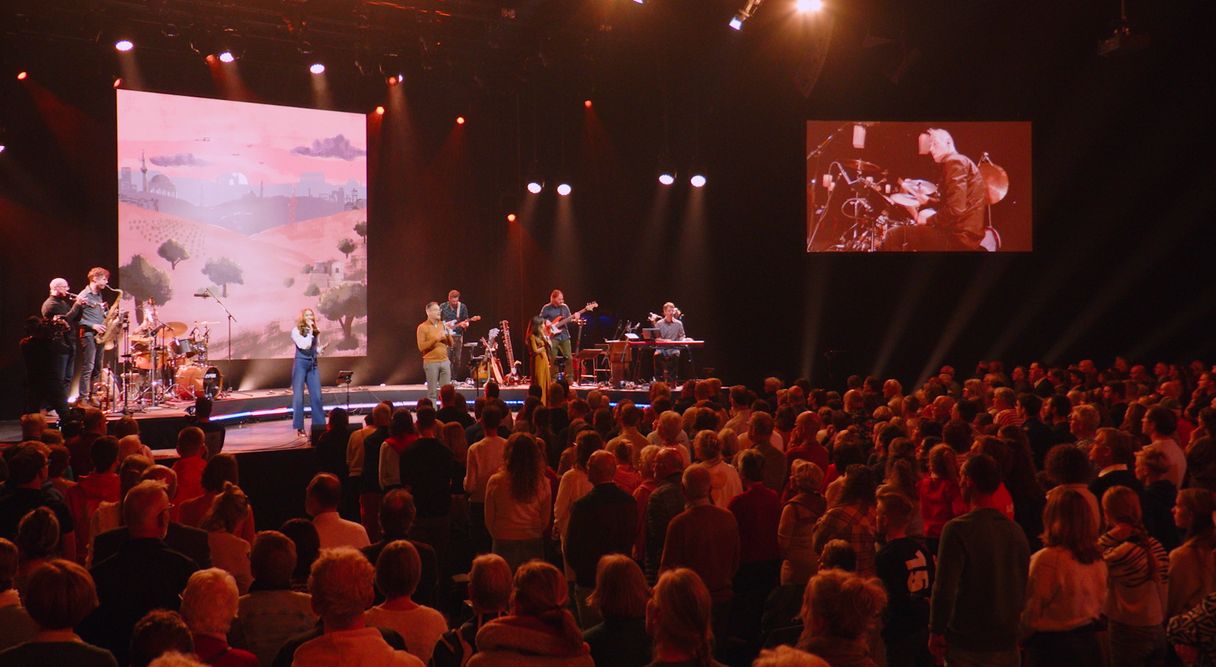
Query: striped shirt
x=1139 y=574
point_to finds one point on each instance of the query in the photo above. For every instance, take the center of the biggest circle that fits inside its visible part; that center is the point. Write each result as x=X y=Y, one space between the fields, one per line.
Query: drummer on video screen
x=958 y=221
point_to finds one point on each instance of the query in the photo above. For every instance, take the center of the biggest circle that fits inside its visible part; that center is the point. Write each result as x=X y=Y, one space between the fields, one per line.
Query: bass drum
x=195 y=381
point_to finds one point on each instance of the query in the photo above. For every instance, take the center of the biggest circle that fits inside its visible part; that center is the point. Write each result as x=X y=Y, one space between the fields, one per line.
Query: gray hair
x=209 y=602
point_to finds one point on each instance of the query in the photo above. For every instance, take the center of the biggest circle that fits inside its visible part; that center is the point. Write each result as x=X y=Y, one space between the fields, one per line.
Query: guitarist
x=450 y=310
x=560 y=342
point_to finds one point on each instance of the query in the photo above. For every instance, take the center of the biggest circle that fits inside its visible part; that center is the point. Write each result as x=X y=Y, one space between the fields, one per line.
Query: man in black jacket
x=605 y=521
x=958 y=223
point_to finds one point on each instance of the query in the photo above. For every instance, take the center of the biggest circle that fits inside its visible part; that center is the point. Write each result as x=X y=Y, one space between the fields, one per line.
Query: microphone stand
x=231 y=319
x=815 y=183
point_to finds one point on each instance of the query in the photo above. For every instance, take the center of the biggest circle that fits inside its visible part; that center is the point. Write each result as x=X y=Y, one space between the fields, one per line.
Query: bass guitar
x=555 y=326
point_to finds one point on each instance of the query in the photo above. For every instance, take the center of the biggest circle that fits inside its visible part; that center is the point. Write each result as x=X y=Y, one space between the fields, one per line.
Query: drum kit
x=169 y=361
x=874 y=202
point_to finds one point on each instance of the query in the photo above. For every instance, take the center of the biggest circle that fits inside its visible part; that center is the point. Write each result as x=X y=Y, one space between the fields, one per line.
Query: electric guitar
x=555 y=326
x=450 y=325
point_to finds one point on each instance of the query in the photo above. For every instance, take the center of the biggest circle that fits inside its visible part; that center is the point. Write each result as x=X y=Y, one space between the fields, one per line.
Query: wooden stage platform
x=260 y=420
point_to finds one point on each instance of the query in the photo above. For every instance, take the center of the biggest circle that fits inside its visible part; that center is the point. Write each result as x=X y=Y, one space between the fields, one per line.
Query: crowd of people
x=1040 y=517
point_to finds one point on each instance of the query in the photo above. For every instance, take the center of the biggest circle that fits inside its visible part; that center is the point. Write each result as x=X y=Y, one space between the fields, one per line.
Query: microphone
x=203 y=293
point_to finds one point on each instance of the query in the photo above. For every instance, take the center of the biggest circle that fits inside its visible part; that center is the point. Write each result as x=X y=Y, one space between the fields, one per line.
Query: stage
x=260 y=420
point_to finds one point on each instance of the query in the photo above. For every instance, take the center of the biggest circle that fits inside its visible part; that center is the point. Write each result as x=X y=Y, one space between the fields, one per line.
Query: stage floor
x=259 y=420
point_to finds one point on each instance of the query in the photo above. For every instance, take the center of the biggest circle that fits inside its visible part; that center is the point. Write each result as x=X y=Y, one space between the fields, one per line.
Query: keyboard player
x=667 y=359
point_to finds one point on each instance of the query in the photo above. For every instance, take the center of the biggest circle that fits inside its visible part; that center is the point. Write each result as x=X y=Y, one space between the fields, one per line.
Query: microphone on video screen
x=203 y=294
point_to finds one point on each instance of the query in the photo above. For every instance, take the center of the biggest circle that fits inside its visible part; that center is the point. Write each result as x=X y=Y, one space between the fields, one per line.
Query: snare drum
x=142 y=359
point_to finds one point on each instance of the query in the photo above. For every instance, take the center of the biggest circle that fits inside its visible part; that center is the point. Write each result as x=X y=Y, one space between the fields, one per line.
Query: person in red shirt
x=189 y=467
x=940 y=498
x=757 y=512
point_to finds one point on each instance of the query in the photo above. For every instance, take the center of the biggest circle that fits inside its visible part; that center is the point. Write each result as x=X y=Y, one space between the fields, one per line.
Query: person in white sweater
x=519 y=502
x=398 y=570
x=1066 y=589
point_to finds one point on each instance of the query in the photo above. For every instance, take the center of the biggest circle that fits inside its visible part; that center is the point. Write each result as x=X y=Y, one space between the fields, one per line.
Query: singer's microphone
x=203 y=293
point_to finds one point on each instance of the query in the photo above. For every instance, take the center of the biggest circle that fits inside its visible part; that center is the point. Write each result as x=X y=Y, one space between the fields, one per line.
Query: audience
x=850 y=518
x=220 y=471
x=725 y=483
x=485 y=457
x=518 y=506
x=229 y=552
x=1192 y=565
x=108 y=515
x=91 y=490
x=602 y=522
x=60 y=596
x=192 y=448
x=303 y=534
x=906 y=569
x=341 y=586
x=191 y=542
x=37 y=542
x=158 y=633
x=396 y=518
x=16 y=626
x=428 y=469
x=490 y=583
x=271 y=613
x=795 y=530
x=757 y=514
x=661 y=506
x=539 y=630
x=838 y=611
x=679 y=617
x=209 y=605
x=398 y=570
x=620 y=600
x=1138 y=569
x=24 y=491
x=321 y=502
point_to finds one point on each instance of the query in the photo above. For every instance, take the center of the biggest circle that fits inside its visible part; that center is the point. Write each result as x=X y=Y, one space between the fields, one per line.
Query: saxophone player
x=92 y=325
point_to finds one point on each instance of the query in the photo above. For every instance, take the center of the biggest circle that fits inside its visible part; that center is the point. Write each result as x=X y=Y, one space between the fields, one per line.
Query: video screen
x=252 y=211
x=875 y=186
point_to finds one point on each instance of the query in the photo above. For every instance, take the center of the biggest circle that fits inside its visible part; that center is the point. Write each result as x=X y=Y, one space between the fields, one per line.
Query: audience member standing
x=369 y=480
x=1192 y=565
x=980 y=588
x=757 y=513
x=704 y=539
x=271 y=613
x=679 y=617
x=209 y=605
x=60 y=596
x=16 y=626
x=1112 y=456
x=795 y=530
x=229 y=551
x=398 y=570
x=186 y=540
x=397 y=512
x=27 y=474
x=1066 y=587
x=1138 y=567
x=574 y=485
x=601 y=523
x=661 y=507
x=539 y=628
x=940 y=498
x=484 y=459
x=839 y=610
x=1160 y=425
x=143 y=575
x=518 y=505
x=490 y=584
x=91 y=490
x=724 y=478
x=906 y=569
x=620 y=599
x=427 y=470
x=341 y=588
x=321 y=501
x=851 y=519
x=192 y=450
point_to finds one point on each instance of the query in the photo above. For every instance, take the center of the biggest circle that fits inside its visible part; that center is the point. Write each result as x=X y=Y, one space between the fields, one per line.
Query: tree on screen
x=172 y=252
x=142 y=280
x=346 y=247
x=312 y=290
x=344 y=304
x=361 y=230
x=223 y=271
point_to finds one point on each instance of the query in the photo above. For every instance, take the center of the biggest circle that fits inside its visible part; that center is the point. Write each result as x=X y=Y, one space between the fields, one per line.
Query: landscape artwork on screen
x=262 y=206
x=879 y=186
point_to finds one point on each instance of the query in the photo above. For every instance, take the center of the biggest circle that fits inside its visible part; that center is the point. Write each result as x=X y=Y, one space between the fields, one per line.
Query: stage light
x=22 y=75
x=124 y=45
x=736 y=21
x=697 y=181
x=535 y=187
x=510 y=217
x=667 y=178
x=586 y=104
x=317 y=68
x=226 y=57
x=118 y=82
x=379 y=110
x=809 y=5
x=460 y=120
x=564 y=189
x=2 y=148
x=396 y=79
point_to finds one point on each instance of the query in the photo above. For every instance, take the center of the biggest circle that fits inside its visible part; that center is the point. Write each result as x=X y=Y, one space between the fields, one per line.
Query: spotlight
x=736 y=21
x=535 y=186
x=2 y=147
x=22 y=75
x=587 y=104
x=510 y=217
x=667 y=178
x=124 y=45
x=396 y=79
x=117 y=82
x=226 y=57
x=697 y=181
x=564 y=189
x=379 y=110
x=808 y=5
x=317 y=68
x=460 y=120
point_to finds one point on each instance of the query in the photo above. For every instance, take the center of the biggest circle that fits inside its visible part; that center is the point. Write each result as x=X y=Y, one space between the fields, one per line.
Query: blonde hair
x=943 y=463
x=707 y=446
x=787 y=656
x=59 y=594
x=302 y=325
x=845 y=604
x=398 y=569
x=1068 y=522
x=209 y=602
x=806 y=476
x=540 y=592
x=681 y=609
x=340 y=583
x=490 y=583
x=669 y=426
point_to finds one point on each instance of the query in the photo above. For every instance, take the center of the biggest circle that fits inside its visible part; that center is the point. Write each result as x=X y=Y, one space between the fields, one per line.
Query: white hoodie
x=364 y=647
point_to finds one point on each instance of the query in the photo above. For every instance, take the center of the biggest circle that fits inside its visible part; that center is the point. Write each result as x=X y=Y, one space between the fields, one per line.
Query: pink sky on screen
x=253 y=139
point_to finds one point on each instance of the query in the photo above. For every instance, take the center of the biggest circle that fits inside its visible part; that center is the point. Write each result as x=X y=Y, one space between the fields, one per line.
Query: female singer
x=305 y=335
x=539 y=348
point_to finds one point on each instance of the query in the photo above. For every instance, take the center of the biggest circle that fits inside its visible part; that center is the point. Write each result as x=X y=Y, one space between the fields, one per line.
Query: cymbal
x=178 y=328
x=205 y=322
x=995 y=180
x=863 y=167
x=904 y=199
x=918 y=187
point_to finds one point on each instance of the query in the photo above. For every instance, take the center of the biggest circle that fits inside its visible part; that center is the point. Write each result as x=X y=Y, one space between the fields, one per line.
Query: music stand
x=345 y=378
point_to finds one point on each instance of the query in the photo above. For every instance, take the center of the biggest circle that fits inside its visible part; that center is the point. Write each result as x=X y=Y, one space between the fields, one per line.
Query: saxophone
x=110 y=337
